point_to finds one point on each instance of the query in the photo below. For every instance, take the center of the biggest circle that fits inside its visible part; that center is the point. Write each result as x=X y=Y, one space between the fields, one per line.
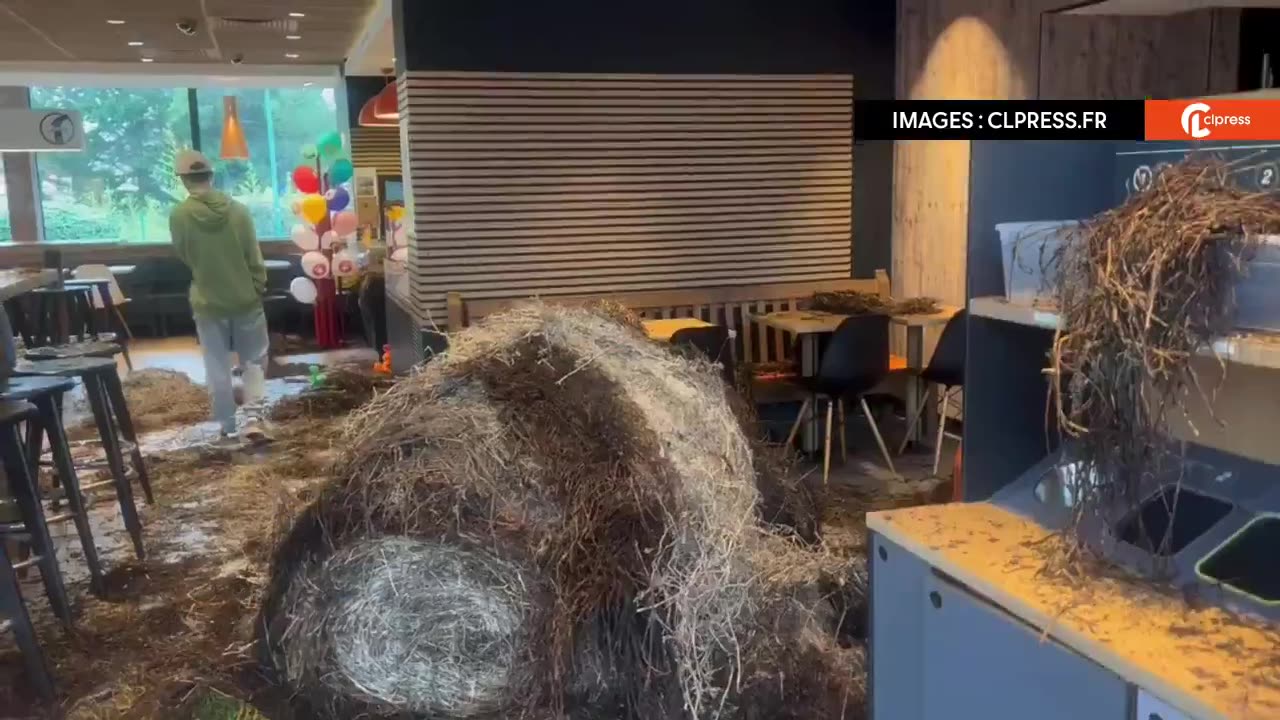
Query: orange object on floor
x=957 y=476
x=897 y=363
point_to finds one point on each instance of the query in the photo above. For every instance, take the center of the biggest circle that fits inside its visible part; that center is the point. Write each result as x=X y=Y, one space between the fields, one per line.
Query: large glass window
x=122 y=187
x=6 y=230
x=277 y=124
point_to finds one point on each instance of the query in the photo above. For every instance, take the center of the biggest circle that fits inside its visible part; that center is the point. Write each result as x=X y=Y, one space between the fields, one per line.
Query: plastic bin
x=1030 y=251
x=1258 y=290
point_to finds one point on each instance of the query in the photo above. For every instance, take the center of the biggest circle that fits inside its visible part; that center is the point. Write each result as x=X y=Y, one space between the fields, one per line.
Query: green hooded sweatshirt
x=214 y=236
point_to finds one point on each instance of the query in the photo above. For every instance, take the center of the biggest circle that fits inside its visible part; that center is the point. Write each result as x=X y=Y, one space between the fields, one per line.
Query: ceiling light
x=307 y=84
x=115 y=22
x=297 y=14
x=291 y=56
x=148 y=60
x=292 y=37
x=135 y=43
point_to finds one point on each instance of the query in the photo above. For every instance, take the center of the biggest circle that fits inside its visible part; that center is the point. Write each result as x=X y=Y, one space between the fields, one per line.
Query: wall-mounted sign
x=23 y=130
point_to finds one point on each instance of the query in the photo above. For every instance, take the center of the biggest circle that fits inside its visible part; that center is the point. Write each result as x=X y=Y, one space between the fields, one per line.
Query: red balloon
x=305 y=179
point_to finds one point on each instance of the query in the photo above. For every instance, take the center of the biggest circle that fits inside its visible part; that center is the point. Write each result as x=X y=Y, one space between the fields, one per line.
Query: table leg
x=916 y=388
x=809 y=368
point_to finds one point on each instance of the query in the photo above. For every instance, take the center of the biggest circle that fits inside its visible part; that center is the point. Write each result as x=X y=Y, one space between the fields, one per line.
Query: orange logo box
x=1211 y=120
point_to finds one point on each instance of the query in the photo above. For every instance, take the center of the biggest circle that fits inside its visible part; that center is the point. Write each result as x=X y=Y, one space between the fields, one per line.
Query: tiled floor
x=183 y=355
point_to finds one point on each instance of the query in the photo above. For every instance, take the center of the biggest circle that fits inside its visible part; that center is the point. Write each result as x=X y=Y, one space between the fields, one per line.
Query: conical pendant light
x=234 y=146
x=386 y=106
x=368 y=119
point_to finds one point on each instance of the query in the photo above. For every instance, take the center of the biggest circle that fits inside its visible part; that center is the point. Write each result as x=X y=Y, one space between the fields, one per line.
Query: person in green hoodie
x=214 y=236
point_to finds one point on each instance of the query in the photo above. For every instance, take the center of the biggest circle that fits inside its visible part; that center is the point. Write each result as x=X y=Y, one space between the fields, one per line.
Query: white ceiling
x=1163 y=7
x=374 y=50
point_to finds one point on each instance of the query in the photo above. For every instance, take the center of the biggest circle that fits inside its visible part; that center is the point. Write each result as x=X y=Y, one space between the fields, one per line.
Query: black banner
x=998 y=120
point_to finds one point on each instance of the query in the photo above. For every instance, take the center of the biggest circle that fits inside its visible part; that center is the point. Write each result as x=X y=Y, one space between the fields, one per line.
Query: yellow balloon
x=314 y=208
x=395 y=213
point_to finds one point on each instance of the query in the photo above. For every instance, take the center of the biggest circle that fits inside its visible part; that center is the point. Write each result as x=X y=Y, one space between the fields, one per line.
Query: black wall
x=359 y=90
x=678 y=36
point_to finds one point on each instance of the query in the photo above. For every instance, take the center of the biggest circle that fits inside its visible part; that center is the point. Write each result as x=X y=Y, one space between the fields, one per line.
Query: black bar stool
x=106 y=400
x=45 y=393
x=26 y=492
x=13 y=616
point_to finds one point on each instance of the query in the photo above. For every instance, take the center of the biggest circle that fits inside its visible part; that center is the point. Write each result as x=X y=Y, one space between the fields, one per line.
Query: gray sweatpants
x=245 y=335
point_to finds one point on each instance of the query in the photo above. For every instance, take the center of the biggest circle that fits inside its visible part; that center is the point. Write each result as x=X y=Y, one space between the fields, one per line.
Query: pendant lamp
x=234 y=146
x=368 y=119
x=386 y=106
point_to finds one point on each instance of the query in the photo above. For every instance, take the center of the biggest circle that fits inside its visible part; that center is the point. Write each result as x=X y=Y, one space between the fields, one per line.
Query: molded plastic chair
x=712 y=342
x=856 y=359
x=946 y=369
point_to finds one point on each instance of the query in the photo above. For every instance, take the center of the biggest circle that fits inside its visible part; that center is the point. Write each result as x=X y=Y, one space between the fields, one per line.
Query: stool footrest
x=31 y=561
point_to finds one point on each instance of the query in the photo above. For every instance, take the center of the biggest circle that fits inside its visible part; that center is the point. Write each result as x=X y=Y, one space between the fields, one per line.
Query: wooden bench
x=730 y=306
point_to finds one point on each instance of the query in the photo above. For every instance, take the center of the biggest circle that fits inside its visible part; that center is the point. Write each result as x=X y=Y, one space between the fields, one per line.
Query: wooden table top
x=662 y=330
x=17 y=282
x=807 y=322
x=1207 y=662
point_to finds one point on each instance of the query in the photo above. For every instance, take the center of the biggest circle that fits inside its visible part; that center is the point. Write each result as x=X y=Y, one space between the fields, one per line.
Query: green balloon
x=341 y=171
x=330 y=145
x=309 y=153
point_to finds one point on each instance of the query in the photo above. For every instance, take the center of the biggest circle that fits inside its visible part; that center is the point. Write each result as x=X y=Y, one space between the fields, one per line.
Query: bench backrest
x=729 y=306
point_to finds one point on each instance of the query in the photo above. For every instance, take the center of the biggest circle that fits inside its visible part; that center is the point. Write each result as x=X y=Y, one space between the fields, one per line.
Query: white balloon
x=328 y=239
x=315 y=265
x=303 y=290
x=304 y=237
x=400 y=254
x=344 y=265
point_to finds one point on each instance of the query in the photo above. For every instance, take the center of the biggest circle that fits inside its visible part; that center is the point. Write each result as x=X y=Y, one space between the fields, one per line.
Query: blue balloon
x=341 y=171
x=338 y=199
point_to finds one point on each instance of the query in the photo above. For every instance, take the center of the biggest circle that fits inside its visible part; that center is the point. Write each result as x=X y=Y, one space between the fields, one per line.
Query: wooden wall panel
x=376 y=147
x=562 y=184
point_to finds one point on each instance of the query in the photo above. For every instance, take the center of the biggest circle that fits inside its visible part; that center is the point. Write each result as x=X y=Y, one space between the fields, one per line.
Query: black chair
x=46 y=393
x=25 y=492
x=713 y=343
x=164 y=286
x=856 y=359
x=946 y=369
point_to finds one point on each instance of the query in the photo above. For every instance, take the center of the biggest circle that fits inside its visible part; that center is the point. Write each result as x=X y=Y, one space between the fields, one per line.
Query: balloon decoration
x=304 y=237
x=341 y=171
x=345 y=223
x=315 y=265
x=338 y=199
x=306 y=179
x=303 y=290
x=330 y=145
x=328 y=239
x=314 y=208
x=309 y=154
x=344 y=265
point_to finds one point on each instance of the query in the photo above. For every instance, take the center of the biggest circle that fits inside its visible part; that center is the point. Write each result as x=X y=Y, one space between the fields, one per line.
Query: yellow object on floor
x=662 y=330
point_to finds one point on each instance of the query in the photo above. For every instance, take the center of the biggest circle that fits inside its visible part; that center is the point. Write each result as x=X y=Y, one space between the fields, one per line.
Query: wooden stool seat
x=28 y=388
x=65 y=366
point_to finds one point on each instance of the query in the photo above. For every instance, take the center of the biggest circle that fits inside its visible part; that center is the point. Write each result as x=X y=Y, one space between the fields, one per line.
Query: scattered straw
x=1143 y=288
x=853 y=302
x=344 y=390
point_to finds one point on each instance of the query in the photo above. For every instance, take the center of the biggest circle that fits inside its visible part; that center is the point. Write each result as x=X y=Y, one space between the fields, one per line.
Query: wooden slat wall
x=559 y=184
x=376 y=147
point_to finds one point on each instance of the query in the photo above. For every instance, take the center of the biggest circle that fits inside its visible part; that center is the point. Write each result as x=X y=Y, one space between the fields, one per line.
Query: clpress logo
x=1191 y=120
x=1217 y=119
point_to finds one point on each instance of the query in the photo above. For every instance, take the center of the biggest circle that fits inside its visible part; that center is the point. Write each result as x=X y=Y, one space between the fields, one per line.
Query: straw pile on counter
x=556 y=518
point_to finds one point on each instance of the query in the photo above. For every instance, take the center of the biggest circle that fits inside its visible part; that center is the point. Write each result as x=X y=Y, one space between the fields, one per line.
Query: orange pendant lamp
x=368 y=119
x=386 y=106
x=234 y=146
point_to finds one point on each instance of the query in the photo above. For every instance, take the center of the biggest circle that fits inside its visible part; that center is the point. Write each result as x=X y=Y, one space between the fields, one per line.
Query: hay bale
x=555 y=517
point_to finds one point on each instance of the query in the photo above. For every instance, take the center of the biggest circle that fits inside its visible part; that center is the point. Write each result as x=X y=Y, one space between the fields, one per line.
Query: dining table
x=809 y=326
x=662 y=330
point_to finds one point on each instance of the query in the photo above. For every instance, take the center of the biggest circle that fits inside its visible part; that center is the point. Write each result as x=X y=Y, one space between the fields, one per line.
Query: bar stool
x=60 y=312
x=13 y=616
x=45 y=393
x=110 y=410
x=26 y=492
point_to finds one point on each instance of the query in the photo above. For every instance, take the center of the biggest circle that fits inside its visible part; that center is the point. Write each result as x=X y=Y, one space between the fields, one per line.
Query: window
x=6 y=231
x=122 y=187
x=277 y=124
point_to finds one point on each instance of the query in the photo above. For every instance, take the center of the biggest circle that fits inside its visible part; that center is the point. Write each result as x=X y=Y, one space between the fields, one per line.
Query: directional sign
x=23 y=130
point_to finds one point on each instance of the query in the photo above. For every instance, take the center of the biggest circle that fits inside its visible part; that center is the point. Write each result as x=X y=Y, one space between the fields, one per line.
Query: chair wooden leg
x=912 y=421
x=844 y=432
x=795 y=427
x=123 y=324
x=826 y=453
x=875 y=430
x=942 y=428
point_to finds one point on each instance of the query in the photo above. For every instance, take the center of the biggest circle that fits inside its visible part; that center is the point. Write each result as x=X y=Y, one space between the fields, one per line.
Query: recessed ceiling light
x=297 y=14
x=115 y=22
x=292 y=37
x=291 y=56
x=135 y=43
x=307 y=84
x=148 y=60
